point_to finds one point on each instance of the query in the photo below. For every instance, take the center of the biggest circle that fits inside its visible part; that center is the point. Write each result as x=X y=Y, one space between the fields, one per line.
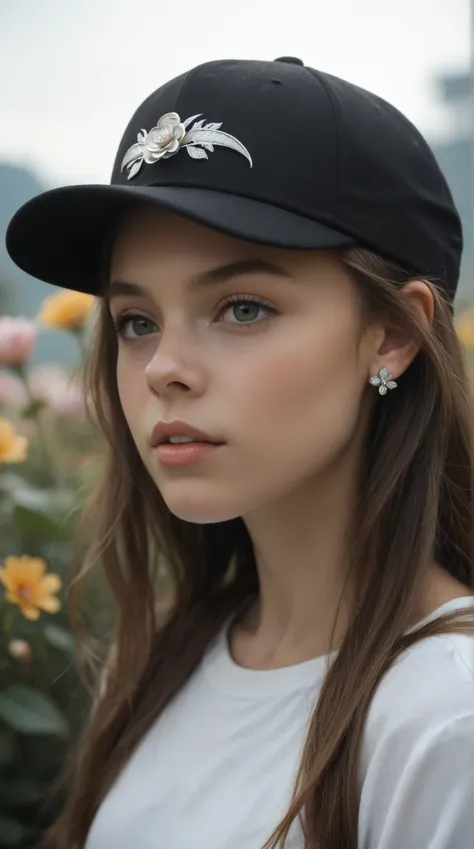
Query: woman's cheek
x=132 y=392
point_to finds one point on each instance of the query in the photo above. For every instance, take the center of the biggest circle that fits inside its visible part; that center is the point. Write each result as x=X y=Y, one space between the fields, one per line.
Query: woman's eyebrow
x=212 y=277
x=236 y=269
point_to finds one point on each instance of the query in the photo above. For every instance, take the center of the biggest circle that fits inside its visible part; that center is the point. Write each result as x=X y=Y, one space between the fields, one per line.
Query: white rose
x=164 y=139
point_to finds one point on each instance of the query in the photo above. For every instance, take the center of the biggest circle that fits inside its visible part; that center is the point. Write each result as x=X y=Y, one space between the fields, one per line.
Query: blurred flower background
x=48 y=459
x=49 y=451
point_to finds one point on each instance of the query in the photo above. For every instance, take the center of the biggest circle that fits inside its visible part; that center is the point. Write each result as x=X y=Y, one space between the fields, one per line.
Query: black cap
x=272 y=152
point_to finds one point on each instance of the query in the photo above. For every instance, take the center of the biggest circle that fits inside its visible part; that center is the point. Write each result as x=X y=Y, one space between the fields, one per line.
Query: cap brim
x=58 y=235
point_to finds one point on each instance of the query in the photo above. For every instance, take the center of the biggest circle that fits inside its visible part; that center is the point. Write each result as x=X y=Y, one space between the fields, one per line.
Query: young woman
x=288 y=424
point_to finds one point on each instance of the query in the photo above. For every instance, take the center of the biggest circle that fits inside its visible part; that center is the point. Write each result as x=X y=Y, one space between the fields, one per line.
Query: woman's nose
x=176 y=362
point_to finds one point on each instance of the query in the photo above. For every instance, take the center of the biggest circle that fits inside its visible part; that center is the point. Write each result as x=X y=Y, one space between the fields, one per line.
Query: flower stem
x=81 y=340
x=8 y=618
x=42 y=436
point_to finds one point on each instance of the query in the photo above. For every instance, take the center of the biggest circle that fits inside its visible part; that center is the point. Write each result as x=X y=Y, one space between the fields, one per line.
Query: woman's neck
x=251 y=648
x=302 y=551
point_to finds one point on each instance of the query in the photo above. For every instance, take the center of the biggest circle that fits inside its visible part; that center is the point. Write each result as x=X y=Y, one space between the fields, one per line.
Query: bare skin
x=284 y=384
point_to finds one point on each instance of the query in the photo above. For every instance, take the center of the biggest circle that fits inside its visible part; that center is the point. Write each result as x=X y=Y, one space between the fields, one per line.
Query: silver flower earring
x=383 y=381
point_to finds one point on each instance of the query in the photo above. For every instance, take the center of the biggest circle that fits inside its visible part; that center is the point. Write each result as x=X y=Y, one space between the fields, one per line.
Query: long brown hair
x=415 y=506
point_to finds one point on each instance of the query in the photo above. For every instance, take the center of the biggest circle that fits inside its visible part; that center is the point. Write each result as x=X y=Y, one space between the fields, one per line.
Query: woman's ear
x=396 y=350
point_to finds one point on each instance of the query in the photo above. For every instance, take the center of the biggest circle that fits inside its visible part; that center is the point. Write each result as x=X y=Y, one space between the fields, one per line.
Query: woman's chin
x=198 y=516
x=201 y=508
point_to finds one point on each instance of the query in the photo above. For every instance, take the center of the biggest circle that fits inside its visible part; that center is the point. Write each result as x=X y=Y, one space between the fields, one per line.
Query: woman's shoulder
x=418 y=748
x=429 y=688
x=435 y=672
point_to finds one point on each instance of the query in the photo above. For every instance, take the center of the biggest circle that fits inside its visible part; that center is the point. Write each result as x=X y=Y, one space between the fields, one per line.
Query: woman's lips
x=184 y=453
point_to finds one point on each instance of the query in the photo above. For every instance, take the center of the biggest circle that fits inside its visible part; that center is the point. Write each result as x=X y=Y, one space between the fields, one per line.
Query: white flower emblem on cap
x=171 y=134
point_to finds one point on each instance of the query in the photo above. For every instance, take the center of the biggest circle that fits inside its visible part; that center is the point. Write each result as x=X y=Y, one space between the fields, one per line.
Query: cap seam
x=188 y=78
x=330 y=99
x=184 y=86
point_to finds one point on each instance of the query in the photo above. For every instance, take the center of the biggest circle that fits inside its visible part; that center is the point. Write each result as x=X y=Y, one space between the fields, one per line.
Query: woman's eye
x=242 y=311
x=131 y=326
x=245 y=310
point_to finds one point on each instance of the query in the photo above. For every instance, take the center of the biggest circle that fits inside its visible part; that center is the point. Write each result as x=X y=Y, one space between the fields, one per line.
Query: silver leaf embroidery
x=216 y=137
x=134 y=152
x=171 y=134
x=197 y=153
x=135 y=168
x=189 y=121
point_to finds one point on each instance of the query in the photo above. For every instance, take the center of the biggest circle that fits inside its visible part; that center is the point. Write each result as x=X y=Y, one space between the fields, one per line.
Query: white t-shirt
x=216 y=769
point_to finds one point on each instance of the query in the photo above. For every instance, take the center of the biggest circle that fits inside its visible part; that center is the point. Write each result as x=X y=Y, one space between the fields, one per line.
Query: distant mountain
x=22 y=294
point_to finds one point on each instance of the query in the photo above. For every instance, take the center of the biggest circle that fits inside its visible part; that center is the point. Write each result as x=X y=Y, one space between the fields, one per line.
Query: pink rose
x=71 y=401
x=62 y=391
x=12 y=391
x=17 y=340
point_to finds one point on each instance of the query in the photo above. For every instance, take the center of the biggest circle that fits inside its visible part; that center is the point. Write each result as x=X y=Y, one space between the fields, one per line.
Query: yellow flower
x=465 y=329
x=13 y=448
x=66 y=311
x=27 y=585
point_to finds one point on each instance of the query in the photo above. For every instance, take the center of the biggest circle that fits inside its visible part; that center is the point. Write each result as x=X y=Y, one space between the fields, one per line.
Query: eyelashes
x=124 y=319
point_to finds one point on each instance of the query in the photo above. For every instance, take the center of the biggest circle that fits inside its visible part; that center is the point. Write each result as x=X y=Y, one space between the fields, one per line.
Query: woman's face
x=277 y=375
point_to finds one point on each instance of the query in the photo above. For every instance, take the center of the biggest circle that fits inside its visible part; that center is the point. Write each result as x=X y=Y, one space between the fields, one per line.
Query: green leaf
x=10 y=482
x=12 y=832
x=21 y=792
x=60 y=638
x=31 y=712
x=33 y=408
x=7 y=749
x=55 y=504
x=30 y=507
x=34 y=523
x=31 y=498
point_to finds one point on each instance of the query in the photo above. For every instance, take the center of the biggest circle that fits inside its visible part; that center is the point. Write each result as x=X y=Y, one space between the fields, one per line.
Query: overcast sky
x=72 y=72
